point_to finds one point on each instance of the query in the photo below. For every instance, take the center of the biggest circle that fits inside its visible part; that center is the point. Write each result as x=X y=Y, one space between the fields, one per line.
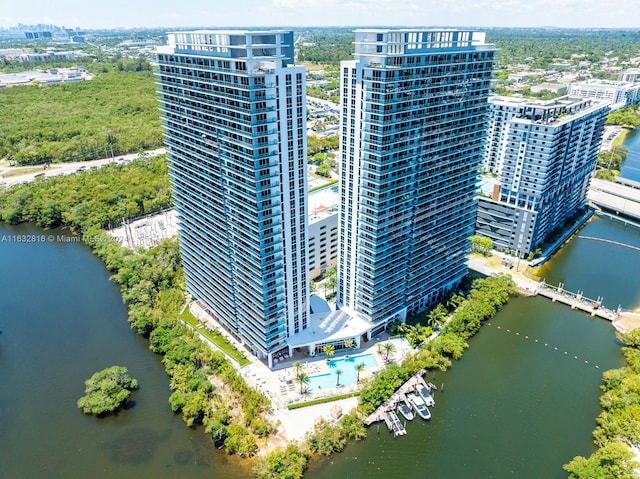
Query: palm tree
x=329 y=350
x=348 y=343
x=298 y=367
x=388 y=349
x=303 y=380
x=359 y=368
x=330 y=281
x=338 y=373
x=436 y=316
x=454 y=301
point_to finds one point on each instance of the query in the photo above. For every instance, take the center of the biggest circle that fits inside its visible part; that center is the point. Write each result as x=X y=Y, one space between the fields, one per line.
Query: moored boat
x=425 y=394
x=419 y=406
x=405 y=410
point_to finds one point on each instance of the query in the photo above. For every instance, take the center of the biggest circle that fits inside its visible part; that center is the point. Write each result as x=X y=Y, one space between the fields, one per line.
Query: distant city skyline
x=292 y=13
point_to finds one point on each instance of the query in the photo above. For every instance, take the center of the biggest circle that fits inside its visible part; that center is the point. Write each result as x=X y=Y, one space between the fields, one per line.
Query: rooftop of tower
x=233 y=44
x=549 y=112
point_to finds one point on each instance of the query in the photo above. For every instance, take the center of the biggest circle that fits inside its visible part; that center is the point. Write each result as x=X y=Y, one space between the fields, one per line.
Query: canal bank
x=509 y=408
x=475 y=429
x=61 y=320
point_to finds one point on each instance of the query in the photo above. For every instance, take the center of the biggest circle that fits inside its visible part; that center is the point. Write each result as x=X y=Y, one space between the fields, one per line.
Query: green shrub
x=106 y=390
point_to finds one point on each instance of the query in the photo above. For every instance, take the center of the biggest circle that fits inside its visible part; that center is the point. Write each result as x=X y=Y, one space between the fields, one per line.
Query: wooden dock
x=594 y=307
x=400 y=395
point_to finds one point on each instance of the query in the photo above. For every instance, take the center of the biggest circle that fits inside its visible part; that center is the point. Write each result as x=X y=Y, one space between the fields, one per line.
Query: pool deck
x=279 y=384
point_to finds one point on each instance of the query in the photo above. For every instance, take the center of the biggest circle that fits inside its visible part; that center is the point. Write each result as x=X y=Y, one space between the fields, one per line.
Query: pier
x=610 y=242
x=577 y=301
x=391 y=420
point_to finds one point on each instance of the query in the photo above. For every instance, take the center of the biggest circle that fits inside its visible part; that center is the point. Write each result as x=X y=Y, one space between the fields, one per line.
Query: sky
x=88 y=14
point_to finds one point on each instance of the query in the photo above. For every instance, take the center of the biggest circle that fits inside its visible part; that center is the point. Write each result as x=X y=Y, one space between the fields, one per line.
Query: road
x=616 y=197
x=61 y=169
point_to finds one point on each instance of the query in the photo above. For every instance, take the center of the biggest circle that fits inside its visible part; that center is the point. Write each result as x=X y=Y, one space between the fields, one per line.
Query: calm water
x=600 y=269
x=631 y=166
x=61 y=319
x=508 y=408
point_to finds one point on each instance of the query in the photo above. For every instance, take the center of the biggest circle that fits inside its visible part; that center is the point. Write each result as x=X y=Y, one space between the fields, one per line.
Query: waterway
x=600 y=269
x=631 y=165
x=61 y=320
x=508 y=408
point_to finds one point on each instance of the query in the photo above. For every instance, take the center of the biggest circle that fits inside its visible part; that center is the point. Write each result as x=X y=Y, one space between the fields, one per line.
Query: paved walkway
x=280 y=387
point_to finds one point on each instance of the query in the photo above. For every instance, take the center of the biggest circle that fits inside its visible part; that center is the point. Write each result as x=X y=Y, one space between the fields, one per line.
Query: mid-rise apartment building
x=617 y=93
x=544 y=153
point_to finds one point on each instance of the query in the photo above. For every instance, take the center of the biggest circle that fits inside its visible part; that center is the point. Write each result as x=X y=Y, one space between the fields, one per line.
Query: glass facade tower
x=414 y=105
x=234 y=117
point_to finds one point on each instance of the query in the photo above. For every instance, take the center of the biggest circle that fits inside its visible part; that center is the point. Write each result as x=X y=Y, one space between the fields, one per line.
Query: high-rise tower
x=234 y=113
x=414 y=106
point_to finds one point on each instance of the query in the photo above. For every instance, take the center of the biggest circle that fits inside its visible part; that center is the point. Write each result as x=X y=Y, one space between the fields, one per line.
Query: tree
x=437 y=315
x=388 y=348
x=303 y=380
x=324 y=170
x=326 y=438
x=338 y=374
x=359 y=368
x=454 y=301
x=107 y=390
x=330 y=281
x=353 y=427
x=329 y=350
x=282 y=463
x=348 y=343
x=613 y=461
x=481 y=244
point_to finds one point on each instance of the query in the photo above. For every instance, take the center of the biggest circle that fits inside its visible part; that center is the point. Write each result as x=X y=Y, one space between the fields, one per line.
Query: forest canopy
x=115 y=113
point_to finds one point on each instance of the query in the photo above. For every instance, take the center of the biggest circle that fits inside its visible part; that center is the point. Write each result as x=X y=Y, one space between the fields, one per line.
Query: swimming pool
x=348 y=367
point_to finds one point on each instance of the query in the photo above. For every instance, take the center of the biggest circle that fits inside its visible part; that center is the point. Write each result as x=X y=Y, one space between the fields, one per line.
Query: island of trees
x=107 y=390
x=116 y=113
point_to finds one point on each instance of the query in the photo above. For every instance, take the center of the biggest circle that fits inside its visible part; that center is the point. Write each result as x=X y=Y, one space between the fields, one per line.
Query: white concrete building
x=323 y=229
x=617 y=93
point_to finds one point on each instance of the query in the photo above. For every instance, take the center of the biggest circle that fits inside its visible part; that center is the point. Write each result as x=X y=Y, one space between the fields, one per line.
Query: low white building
x=617 y=93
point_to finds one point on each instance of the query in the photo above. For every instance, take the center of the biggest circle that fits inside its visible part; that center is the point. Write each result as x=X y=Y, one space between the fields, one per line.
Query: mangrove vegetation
x=107 y=390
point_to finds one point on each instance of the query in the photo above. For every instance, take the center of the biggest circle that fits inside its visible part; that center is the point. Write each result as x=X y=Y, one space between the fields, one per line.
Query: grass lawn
x=216 y=338
x=322 y=400
x=621 y=137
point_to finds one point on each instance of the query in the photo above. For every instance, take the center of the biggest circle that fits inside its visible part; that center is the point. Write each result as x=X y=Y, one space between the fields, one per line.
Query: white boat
x=405 y=410
x=419 y=406
x=425 y=394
